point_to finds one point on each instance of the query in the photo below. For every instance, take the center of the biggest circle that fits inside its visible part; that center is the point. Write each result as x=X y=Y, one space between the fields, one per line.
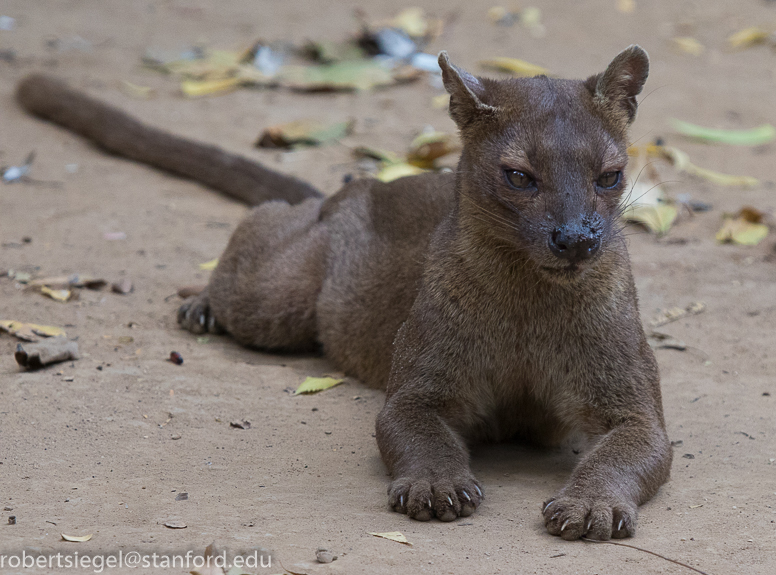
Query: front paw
x=599 y=516
x=424 y=497
x=196 y=316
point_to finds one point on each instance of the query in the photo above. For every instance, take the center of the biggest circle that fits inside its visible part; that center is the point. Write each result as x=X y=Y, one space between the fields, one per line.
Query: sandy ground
x=89 y=446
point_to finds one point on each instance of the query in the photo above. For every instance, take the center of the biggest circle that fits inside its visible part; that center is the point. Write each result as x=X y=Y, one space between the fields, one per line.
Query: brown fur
x=487 y=311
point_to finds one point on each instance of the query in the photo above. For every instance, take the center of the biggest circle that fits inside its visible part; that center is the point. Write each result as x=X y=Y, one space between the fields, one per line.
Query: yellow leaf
x=441 y=102
x=498 y=14
x=393 y=536
x=399 y=170
x=657 y=218
x=135 y=91
x=412 y=20
x=648 y=202
x=514 y=66
x=681 y=162
x=316 y=384
x=78 y=538
x=209 y=266
x=626 y=6
x=30 y=331
x=688 y=45
x=57 y=294
x=196 y=88
x=746 y=228
x=747 y=37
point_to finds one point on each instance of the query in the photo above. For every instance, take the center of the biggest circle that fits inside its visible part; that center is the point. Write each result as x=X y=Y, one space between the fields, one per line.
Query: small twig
x=647 y=551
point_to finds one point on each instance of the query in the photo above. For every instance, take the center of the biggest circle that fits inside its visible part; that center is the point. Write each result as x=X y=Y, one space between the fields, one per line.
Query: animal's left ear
x=622 y=81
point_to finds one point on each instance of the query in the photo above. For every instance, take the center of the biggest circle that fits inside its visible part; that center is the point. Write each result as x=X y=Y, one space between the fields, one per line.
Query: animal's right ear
x=466 y=93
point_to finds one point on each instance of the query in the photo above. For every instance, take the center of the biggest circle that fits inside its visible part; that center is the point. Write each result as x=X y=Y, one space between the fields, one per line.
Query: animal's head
x=542 y=168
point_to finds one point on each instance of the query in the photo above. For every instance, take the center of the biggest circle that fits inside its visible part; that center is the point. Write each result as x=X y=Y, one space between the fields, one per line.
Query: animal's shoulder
x=400 y=209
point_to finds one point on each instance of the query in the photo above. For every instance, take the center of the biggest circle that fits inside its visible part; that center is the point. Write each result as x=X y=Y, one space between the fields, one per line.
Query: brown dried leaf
x=30 y=331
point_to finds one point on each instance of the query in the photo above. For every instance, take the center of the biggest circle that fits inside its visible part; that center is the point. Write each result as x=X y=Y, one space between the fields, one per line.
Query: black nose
x=573 y=246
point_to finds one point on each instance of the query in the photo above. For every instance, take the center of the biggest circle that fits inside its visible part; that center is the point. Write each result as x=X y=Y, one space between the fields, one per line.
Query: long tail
x=121 y=134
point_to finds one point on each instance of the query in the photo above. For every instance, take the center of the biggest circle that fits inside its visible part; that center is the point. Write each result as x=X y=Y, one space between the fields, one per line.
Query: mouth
x=571 y=272
x=571 y=269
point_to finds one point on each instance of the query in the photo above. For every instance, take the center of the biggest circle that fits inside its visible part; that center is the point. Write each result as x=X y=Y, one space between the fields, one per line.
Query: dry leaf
x=30 y=331
x=513 y=66
x=688 y=45
x=196 y=88
x=430 y=146
x=347 y=75
x=240 y=424
x=76 y=538
x=748 y=37
x=316 y=384
x=441 y=102
x=68 y=282
x=531 y=20
x=381 y=155
x=745 y=228
x=392 y=172
x=393 y=536
x=135 y=91
x=209 y=266
x=56 y=294
x=303 y=133
x=649 y=204
x=326 y=52
x=213 y=562
x=753 y=137
x=681 y=161
x=669 y=315
x=658 y=218
x=414 y=22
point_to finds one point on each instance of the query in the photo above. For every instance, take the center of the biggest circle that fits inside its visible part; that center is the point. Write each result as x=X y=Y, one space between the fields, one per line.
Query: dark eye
x=519 y=180
x=609 y=180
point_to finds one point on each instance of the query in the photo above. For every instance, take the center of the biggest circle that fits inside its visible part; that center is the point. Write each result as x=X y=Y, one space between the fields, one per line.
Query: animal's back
x=379 y=236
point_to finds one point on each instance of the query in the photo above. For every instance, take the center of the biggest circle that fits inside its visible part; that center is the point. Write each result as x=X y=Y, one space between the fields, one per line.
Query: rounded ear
x=466 y=93
x=622 y=81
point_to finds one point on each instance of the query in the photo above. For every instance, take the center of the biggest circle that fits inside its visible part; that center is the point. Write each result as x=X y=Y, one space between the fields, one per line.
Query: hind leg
x=265 y=287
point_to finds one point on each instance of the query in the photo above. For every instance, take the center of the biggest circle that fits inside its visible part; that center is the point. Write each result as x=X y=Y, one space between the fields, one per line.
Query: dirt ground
x=104 y=445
